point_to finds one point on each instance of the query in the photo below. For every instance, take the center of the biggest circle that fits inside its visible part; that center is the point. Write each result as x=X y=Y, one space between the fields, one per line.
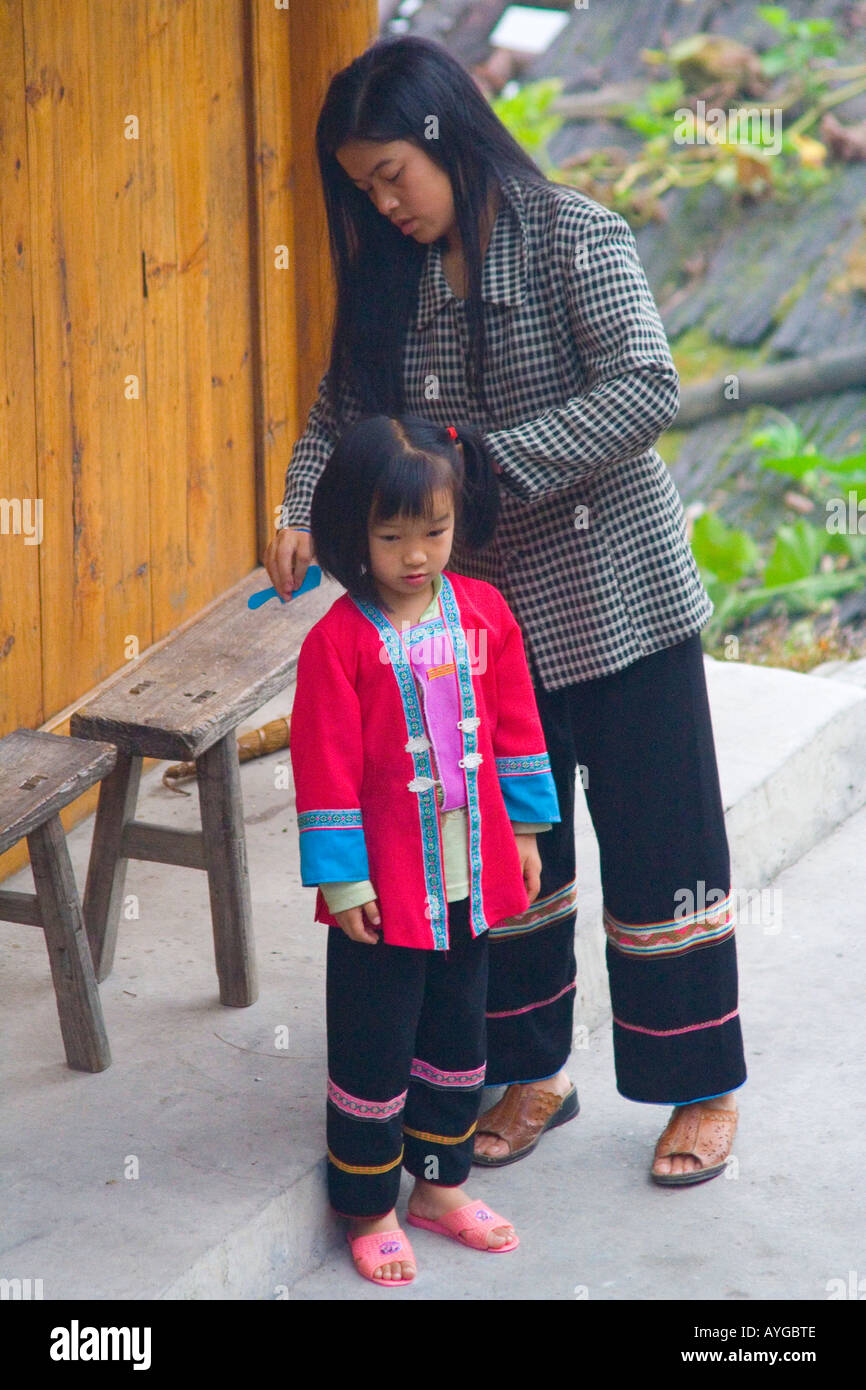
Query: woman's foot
x=431 y=1201
x=687 y=1163
x=391 y=1269
x=491 y=1146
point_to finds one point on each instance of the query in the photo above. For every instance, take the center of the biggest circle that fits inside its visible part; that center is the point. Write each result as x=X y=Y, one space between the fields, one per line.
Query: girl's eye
x=395 y=178
x=440 y=532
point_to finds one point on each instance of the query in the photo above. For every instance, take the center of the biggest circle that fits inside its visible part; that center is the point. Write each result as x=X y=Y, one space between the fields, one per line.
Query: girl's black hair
x=385 y=466
x=389 y=93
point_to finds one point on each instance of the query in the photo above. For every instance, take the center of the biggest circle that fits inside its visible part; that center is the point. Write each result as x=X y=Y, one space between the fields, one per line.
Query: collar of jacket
x=503 y=273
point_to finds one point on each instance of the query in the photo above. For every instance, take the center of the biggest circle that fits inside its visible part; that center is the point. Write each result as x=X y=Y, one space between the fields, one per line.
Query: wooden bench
x=40 y=773
x=183 y=700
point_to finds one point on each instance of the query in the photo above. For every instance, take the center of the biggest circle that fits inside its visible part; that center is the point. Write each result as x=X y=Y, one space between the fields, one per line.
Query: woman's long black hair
x=388 y=93
x=382 y=467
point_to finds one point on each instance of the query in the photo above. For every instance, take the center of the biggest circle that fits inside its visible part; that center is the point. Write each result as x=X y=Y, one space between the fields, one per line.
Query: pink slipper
x=379 y=1248
x=468 y=1225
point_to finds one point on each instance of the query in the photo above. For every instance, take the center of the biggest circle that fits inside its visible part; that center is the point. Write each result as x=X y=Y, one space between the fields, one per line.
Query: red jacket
x=356 y=708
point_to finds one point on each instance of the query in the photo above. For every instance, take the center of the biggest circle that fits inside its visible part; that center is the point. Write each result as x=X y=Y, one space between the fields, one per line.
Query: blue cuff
x=528 y=788
x=332 y=856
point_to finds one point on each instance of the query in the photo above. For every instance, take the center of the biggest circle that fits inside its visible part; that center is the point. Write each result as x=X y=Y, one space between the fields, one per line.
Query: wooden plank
x=81 y=1021
x=106 y=870
x=115 y=43
x=64 y=212
x=41 y=773
x=175 y=364
x=20 y=633
x=223 y=541
x=277 y=324
x=194 y=690
x=219 y=790
x=324 y=38
x=20 y=907
x=162 y=844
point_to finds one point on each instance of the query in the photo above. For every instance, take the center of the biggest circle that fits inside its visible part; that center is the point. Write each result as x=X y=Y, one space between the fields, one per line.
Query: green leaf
x=796 y=554
x=844 y=543
x=725 y=552
x=850 y=464
x=647 y=123
x=776 y=15
x=785 y=439
x=796 y=466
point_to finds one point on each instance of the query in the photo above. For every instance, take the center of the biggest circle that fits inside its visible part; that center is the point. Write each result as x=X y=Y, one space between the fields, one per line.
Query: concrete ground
x=788 y=1215
x=192 y=1168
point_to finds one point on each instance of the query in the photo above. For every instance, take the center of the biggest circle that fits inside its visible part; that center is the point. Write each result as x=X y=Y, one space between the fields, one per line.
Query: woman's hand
x=352 y=922
x=530 y=863
x=286 y=560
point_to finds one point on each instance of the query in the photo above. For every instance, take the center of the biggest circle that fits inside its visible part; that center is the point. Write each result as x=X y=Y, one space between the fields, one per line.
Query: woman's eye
x=395 y=178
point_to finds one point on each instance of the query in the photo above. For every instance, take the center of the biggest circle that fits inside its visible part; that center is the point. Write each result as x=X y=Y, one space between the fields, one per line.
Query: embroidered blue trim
x=451 y=613
x=330 y=820
x=434 y=874
x=424 y=632
x=532 y=762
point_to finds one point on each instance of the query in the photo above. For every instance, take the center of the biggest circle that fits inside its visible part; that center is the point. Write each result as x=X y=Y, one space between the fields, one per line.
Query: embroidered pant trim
x=643 y=740
x=406 y=1063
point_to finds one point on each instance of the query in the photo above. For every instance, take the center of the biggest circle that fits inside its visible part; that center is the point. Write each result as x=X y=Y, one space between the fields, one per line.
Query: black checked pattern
x=591 y=552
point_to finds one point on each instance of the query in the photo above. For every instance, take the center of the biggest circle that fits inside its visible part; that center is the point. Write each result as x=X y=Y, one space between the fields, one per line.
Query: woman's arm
x=633 y=384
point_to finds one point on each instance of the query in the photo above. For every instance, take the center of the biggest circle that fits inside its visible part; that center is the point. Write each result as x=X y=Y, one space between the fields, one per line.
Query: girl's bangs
x=407 y=485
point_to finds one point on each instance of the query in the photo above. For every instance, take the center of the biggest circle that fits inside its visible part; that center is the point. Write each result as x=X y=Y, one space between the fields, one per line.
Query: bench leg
x=225 y=847
x=106 y=872
x=81 y=1021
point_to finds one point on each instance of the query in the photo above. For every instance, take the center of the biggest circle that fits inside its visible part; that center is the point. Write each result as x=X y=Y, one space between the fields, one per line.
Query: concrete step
x=192 y=1167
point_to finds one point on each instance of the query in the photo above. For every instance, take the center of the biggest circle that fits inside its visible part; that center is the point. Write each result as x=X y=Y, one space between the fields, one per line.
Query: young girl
x=421 y=778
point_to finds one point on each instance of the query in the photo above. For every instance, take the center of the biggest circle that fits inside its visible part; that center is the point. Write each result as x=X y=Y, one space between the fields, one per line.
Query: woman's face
x=405 y=185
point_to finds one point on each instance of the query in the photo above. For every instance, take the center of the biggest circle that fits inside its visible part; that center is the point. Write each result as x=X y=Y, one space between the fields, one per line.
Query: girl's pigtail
x=480 y=501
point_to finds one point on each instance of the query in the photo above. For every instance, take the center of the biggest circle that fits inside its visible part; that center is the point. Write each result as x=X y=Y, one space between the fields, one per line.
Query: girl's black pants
x=406 y=1063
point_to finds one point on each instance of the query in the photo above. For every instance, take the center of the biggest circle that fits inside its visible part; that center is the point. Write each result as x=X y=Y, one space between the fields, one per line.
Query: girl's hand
x=353 y=924
x=286 y=560
x=530 y=863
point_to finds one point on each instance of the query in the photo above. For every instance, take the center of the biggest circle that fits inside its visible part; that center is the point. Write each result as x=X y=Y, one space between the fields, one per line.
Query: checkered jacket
x=591 y=552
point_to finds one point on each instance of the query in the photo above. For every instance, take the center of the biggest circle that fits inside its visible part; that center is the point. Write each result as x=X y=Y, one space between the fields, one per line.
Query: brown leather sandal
x=706 y=1135
x=520 y=1118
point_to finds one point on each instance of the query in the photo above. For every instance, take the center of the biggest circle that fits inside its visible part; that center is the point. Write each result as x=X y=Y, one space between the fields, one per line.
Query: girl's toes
x=501 y=1235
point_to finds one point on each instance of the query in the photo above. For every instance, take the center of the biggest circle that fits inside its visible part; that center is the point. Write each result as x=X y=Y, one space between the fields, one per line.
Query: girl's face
x=406 y=553
x=405 y=184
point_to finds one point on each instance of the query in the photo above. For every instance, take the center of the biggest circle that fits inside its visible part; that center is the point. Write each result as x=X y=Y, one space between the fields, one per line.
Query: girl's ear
x=480 y=501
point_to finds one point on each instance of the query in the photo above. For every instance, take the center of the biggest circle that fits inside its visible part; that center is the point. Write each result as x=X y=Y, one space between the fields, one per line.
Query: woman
x=471 y=287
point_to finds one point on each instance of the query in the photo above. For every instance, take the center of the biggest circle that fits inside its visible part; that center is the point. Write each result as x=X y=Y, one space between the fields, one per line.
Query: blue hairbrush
x=312 y=579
